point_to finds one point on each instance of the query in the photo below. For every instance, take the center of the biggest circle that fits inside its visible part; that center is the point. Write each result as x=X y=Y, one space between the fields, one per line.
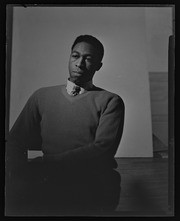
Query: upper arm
x=25 y=132
x=111 y=123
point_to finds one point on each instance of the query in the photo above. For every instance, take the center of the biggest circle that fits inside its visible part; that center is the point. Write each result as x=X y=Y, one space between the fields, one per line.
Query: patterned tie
x=76 y=90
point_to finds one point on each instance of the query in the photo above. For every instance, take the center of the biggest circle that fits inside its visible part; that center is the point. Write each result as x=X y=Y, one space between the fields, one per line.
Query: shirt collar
x=70 y=87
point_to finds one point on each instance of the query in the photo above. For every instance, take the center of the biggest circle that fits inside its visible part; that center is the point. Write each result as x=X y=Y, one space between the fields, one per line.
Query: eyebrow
x=80 y=53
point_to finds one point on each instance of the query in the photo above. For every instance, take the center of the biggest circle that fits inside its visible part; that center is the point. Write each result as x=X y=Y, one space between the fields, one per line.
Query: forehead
x=84 y=48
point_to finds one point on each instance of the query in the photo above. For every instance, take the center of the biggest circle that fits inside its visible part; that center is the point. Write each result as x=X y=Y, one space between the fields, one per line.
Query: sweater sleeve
x=108 y=135
x=24 y=134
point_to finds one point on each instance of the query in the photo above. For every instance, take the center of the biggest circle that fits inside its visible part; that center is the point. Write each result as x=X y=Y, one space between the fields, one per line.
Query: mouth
x=77 y=73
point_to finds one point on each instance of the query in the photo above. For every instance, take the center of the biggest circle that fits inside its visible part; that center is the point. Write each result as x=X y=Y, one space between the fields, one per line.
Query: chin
x=75 y=80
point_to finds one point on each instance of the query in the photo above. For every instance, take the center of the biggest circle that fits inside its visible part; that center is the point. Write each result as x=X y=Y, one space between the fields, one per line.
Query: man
x=78 y=126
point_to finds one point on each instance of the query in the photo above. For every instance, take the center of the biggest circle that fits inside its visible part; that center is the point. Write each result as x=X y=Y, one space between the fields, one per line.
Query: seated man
x=78 y=127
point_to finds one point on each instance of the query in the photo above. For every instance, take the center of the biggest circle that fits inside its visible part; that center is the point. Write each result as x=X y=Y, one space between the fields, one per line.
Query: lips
x=77 y=73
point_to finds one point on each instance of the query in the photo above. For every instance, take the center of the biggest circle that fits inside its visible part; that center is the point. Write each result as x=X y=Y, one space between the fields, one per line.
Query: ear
x=98 y=66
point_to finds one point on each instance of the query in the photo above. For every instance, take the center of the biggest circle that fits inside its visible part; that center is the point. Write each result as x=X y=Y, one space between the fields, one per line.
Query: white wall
x=42 y=38
x=158 y=29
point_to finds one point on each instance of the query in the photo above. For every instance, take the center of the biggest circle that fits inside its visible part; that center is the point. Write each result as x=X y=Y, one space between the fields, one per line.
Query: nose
x=80 y=62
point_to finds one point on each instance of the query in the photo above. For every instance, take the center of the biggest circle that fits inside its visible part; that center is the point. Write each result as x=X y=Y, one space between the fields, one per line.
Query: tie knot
x=76 y=90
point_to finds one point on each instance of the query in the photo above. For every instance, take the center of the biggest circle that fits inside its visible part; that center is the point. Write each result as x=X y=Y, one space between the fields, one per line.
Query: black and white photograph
x=89 y=110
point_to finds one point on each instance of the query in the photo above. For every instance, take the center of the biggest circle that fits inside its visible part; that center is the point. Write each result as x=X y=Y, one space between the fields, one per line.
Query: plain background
x=135 y=41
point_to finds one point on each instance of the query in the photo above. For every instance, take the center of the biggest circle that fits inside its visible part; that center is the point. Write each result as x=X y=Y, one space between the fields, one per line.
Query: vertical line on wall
x=9 y=31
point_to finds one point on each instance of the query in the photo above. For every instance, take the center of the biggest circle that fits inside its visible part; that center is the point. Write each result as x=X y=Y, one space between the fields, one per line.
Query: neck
x=81 y=84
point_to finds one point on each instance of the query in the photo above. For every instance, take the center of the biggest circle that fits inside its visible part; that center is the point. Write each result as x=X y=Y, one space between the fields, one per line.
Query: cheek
x=90 y=67
x=70 y=65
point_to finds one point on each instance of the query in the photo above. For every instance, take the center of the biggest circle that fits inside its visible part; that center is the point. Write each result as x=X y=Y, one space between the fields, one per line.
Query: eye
x=75 y=56
x=89 y=59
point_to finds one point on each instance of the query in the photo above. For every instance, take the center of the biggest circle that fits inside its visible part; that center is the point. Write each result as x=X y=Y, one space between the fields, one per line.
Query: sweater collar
x=70 y=87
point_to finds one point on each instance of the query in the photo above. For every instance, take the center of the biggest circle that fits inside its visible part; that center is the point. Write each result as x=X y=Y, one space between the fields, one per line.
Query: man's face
x=83 y=63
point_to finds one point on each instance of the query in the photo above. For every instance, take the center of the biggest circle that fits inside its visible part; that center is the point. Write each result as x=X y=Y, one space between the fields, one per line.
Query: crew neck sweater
x=66 y=128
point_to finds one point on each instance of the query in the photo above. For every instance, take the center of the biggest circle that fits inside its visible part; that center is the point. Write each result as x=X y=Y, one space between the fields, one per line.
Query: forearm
x=91 y=153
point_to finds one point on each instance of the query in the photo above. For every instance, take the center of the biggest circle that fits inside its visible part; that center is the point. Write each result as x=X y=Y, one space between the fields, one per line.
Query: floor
x=144 y=186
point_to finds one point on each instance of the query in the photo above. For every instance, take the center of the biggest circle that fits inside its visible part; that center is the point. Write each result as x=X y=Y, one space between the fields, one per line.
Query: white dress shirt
x=71 y=88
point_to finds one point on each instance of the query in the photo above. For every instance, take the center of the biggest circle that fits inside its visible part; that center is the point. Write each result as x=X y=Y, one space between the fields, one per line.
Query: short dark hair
x=93 y=41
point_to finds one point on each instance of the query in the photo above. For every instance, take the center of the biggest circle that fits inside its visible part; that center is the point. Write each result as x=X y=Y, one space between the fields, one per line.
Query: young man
x=78 y=126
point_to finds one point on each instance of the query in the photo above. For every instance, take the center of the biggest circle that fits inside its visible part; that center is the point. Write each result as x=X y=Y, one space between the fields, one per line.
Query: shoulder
x=45 y=91
x=107 y=96
x=44 y=95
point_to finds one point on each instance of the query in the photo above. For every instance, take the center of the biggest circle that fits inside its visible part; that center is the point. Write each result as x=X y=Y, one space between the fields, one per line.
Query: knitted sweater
x=66 y=128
